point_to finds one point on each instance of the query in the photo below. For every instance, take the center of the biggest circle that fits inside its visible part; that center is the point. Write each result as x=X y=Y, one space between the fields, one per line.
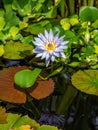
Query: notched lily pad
x=86 y=81
x=12 y=93
x=8 y=92
x=15 y=50
x=43 y=88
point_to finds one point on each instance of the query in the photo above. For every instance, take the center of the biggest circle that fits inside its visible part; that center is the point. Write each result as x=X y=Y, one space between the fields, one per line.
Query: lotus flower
x=49 y=46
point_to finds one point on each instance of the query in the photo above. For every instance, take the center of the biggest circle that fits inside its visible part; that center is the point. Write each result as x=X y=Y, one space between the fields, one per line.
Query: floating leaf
x=35 y=28
x=17 y=121
x=8 y=91
x=26 y=78
x=88 y=13
x=3 y=116
x=13 y=50
x=12 y=93
x=43 y=89
x=47 y=127
x=86 y=81
x=11 y=19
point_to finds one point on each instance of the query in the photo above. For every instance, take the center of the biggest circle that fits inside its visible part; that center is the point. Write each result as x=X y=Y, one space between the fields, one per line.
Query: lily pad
x=44 y=88
x=86 y=81
x=13 y=50
x=88 y=13
x=12 y=93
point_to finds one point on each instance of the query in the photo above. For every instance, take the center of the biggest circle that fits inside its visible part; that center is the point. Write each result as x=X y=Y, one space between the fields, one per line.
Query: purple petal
x=63 y=55
x=46 y=35
x=52 y=58
x=39 y=54
x=51 y=35
x=47 y=62
x=44 y=55
x=56 y=38
x=38 y=41
x=42 y=37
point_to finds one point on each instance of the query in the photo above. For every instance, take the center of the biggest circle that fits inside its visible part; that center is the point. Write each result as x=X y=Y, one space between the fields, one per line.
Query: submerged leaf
x=86 y=81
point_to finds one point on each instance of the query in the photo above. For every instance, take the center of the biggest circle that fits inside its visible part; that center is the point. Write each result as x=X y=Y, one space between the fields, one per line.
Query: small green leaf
x=13 y=31
x=11 y=19
x=23 y=7
x=27 y=39
x=26 y=78
x=35 y=29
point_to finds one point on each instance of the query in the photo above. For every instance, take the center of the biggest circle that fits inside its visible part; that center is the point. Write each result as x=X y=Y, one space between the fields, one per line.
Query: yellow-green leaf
x=96 y=49
x=86 y=81
x=23 y=127
x=17 y=50
x=13 y=31
x=2 y=23
x=74 y=21
x=1 y=50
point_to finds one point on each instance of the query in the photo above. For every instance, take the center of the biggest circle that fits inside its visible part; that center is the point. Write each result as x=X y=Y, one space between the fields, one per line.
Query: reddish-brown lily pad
x=12 y=93
x=8 y=91
x=43 y=88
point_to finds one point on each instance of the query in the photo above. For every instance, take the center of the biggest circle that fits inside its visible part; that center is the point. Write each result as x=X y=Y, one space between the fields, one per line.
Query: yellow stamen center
x=50 y=46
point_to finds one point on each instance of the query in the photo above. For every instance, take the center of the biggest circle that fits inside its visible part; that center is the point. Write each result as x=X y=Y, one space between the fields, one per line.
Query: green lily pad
x=88 y=13
x=17 y=50
x=26 y=78
x=86 y=81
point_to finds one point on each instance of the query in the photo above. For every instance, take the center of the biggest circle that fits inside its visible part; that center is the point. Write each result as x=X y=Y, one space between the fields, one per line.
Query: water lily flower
x=49 y=46
x=50 y=118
